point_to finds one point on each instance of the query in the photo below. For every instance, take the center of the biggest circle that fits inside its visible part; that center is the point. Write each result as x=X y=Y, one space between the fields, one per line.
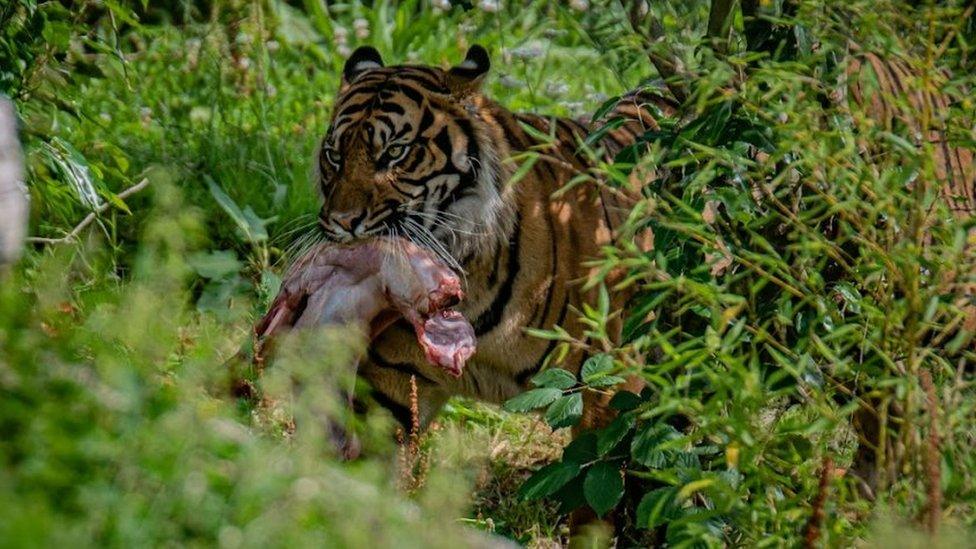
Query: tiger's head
x=409 y=153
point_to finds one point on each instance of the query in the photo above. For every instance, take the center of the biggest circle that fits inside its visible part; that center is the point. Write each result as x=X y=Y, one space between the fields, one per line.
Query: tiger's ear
x=365 y=58
x=467 y=77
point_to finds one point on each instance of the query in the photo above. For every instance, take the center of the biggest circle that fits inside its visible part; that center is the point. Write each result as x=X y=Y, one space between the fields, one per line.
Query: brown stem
x=812 y=531
x=933 y=466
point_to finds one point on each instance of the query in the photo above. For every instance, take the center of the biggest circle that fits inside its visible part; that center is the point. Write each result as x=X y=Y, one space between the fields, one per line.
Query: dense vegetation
x=800 y=305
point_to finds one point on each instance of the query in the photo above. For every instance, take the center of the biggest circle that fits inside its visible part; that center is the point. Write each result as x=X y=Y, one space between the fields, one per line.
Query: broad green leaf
x=565 y=411
x=530 y=400
x=554 y=377
x=625 y=400
x=596 y=365
x=606 y=381
x=658 y=507
x=582 y=449
x=612 y=434
x=645 y=447
x=570 y=496
x=603 y=487
x=548 y=480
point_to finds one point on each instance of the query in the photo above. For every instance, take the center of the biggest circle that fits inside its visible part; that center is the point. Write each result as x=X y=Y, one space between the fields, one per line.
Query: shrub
x=798 y=323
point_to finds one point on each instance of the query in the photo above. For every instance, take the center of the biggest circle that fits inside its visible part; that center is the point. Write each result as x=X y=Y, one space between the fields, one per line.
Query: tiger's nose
x=347 y=221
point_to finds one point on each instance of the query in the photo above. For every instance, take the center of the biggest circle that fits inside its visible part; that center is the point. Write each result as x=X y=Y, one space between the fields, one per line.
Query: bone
x=370 y=285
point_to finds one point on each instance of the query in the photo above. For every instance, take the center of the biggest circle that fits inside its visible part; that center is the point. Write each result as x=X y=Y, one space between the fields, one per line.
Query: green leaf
x=548 y=480
x=606 y=381
x=570 y=496
x=556 y=378
x=565 y=411
x=625 y=401
x=523 y=169
x=582 y=449
x=250 y=225
x=215 y=265
x=658 y=507
x=605 y=107
x=645 y=447
x=530 y=400
x=595 y=366
x=603 y=487
x=612 y=434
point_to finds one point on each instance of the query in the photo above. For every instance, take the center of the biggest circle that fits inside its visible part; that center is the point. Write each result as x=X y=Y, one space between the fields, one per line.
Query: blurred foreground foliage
x=116 y=432
x=805 y=270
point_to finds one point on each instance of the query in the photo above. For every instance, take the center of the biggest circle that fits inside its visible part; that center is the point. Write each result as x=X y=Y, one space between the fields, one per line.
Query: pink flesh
x=370 y=285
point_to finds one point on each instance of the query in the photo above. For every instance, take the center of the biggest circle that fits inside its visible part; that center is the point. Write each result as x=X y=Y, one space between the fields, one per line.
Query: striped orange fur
x=420 y=152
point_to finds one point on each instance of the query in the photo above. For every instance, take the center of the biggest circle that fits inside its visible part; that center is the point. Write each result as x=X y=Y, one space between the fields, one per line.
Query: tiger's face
x=405 y=155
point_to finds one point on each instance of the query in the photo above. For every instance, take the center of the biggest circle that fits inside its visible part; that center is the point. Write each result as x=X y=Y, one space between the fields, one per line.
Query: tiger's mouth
x=421 y=228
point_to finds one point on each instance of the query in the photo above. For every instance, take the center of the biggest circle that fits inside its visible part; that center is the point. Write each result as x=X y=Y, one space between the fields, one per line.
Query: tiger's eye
x=396 y=151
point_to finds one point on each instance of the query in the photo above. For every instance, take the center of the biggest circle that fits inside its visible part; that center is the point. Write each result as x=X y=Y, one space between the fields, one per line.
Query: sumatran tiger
x=420 y=152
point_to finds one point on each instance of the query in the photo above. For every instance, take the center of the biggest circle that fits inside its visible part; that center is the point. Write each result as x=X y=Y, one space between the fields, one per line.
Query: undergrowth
x=805 y=270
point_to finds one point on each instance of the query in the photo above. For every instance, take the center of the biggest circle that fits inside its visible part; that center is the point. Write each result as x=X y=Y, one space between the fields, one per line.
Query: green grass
x=128 y=329
x=115 y=423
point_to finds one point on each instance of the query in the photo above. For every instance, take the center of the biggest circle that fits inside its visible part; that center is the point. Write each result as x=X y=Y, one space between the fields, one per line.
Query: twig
x=73 y=235
x=812 y=531
x=933 y=466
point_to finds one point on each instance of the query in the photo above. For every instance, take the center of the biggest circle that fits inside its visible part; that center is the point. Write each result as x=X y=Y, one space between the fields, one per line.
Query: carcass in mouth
x=370 y=285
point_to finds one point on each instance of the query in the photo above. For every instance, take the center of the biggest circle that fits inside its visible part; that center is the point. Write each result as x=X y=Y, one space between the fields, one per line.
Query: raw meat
x=370 y=285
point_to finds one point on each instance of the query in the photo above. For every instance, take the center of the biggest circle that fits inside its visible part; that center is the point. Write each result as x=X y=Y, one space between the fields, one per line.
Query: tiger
x=420 y=152
x=884 y=90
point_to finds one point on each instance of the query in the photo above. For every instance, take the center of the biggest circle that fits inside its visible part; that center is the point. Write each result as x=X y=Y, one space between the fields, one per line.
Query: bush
x=798 y=325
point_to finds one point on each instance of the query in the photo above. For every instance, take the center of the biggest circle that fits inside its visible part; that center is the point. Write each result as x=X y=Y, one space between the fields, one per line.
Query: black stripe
x=427 y=120
x=401 y=367
x=523 y=377
x=413 y=191
x=443 y=141
x=468 y=131
x=429 y=83
x=401 y=413
x=465 y=185
x=489 y=319
x=412 y=93
x=391 y=107
x=555 y=270
x=355 y=108
x=493 y=275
